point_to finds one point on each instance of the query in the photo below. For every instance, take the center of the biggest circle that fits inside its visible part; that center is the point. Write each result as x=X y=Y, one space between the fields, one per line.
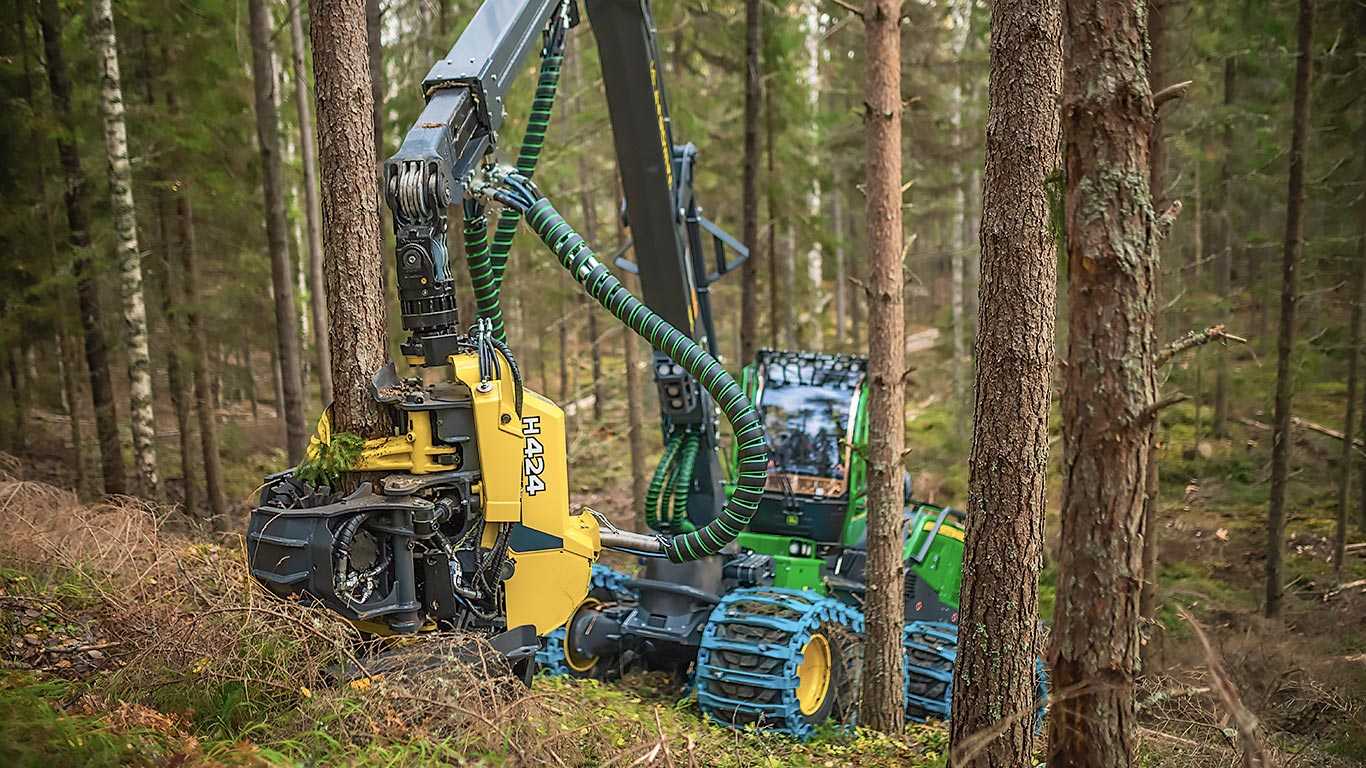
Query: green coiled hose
x=687 y=459
x=662 y=482
x=481 y=268
x=486 y=263
x=752 y=452
x=527 y=156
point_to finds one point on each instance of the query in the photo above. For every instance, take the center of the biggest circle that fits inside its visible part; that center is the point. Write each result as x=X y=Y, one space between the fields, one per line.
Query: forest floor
x=129 y=639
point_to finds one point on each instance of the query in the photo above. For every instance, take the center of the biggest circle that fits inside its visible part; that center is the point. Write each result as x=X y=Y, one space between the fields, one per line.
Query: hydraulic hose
x=752 y=448
x=687 y=459
x=481 y=268
x=487 y=263
x=661 y=480
x=529 y=154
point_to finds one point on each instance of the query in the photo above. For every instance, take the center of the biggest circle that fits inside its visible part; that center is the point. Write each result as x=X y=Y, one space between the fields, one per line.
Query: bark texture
x=1112 y=239
x=277 y=231
x=883 y=707
x=168 y=288
x=350 y=206
x=87 y=285
x=130 y=256
x=1290 y=300
x=994 y=677
x=1157 y=32
x=1349 y=421
x=749 y=275
x=203 y=387
x=1224 y=265
x=317 y=301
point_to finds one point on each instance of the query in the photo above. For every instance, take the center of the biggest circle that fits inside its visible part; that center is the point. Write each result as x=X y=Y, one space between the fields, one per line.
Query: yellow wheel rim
x=813 y=676
x=576 y=662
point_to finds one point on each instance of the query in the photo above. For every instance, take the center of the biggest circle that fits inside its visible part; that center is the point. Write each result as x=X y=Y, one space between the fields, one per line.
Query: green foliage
x=327 y=461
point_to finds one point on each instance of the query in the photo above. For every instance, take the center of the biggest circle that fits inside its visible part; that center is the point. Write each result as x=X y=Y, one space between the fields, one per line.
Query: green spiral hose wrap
x=527 y=157
x=661 y=481
x=481 y=269
x=687 y=459
x=752 y=464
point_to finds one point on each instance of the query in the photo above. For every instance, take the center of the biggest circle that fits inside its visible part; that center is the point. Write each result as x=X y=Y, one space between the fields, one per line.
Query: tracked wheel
x=781 y=660
x=558 y=655
x=931 y=649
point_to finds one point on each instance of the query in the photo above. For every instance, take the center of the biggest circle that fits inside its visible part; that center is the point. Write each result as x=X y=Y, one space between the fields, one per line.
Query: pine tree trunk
x=790 y=286
x=775 y=273
x=841 y=259
x=961 y=13
x=130 y=257
x=87 y=281
x=749 y=276
x=1349 y=421
x=1290 y=299
x=813 y=330
x=203 y=387
x=635 y=413
x=357 y=326
x=590 y=233
x=1157 y=32
x=374 y=48
x=882 y=707
x=277 y=232
x=71 y=394
x=1361 y=266
x=994 y=677
x=313 y=215
x=1109 y=383
x=1219 y=426
x=163 y=277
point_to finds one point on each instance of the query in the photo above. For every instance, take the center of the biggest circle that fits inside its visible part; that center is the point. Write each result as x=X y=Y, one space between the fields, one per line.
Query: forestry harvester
x=751 y=582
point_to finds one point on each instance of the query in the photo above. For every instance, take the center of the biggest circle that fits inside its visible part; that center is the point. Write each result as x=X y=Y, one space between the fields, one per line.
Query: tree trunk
x=130 y=257
x=357 y=326
x=1361 y=297
x=87 y=281
x=590 y=233
x=1224 y=267
x=163 y=278
x=635 y=415
x=791 y=308
x=1157 y=73
x=203 y=387
x=1349 y=421
x=749 y=276
x=1290 y=299
x=374 y=48
x=841 y=260
x=277 y=231
x=776 y=297
x=813 y=330
x=961 y=13
x=994 y=678
x=71 y=390
x=1109 y=383
x=313 y=215
x=883 y=708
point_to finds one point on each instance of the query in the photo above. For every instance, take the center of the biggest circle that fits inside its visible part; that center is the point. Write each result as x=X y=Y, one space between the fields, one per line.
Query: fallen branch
x=1254 y=750
x=1194 y=339
x=1296 y=421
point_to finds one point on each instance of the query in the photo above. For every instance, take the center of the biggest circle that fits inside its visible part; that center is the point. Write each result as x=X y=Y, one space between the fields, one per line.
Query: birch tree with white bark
x=130 y=257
